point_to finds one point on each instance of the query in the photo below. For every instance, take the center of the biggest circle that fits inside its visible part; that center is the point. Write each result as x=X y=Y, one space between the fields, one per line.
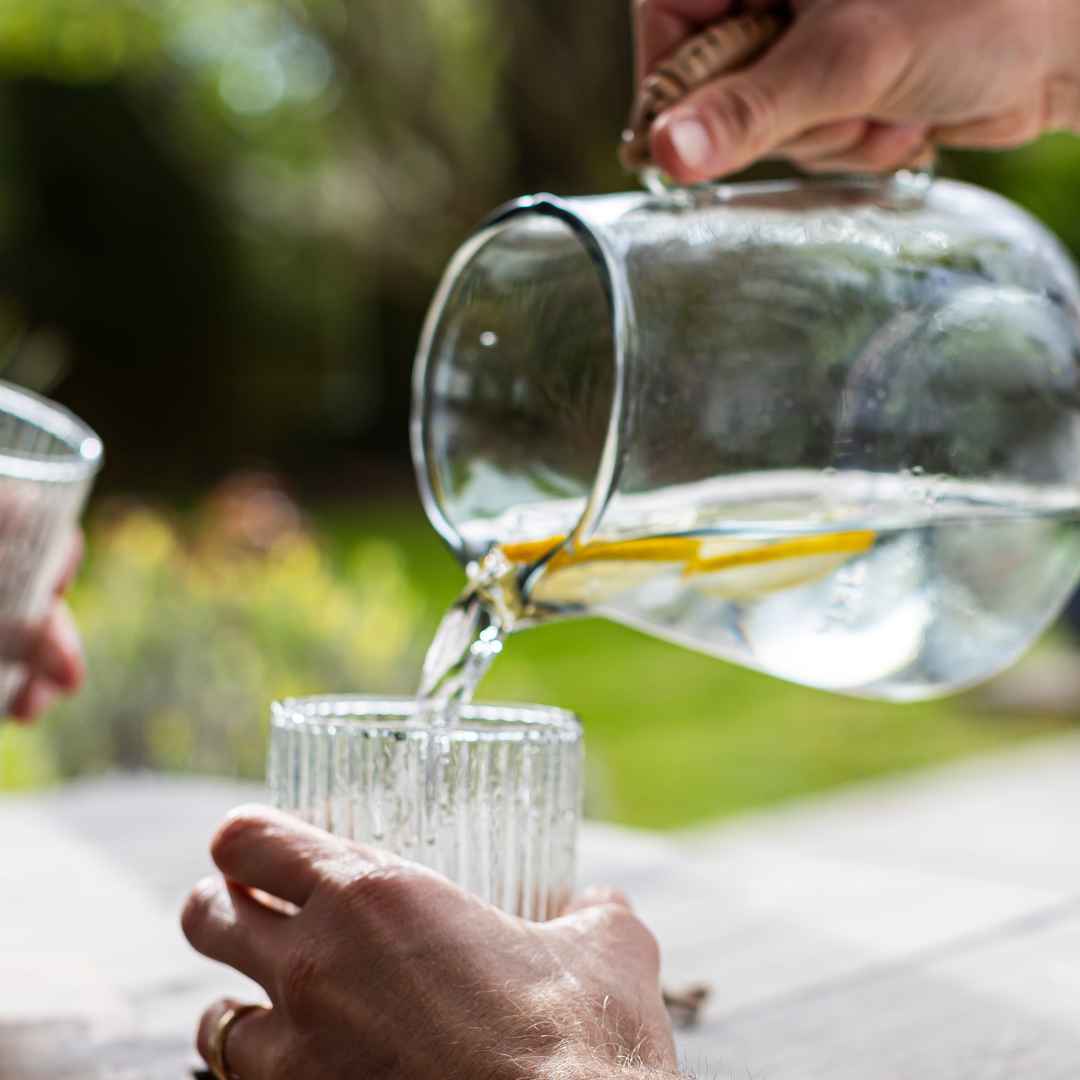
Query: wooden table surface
x=920 y=929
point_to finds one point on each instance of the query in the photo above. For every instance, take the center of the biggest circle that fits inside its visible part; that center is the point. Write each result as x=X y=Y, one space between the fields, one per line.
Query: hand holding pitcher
x=865 y=86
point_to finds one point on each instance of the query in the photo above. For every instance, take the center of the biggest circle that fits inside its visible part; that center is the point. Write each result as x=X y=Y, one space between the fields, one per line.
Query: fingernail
x=691 y=141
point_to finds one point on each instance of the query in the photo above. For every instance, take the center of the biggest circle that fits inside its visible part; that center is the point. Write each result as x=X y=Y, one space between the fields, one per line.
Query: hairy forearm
x=636 y=1073
x=587 y=1070
x=593 y=1067
x=633 y=1073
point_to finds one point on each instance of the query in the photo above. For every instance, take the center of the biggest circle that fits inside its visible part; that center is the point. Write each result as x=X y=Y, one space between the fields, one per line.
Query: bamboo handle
x=720 y=50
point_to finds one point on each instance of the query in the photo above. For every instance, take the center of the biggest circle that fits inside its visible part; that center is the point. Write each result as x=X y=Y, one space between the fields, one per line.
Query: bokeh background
x=221 y=222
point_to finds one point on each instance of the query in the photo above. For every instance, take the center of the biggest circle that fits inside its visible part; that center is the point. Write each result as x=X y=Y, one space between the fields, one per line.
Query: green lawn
x=675 y=737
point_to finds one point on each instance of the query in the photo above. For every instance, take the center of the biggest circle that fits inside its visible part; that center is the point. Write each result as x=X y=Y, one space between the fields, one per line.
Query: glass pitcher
x=826 y=429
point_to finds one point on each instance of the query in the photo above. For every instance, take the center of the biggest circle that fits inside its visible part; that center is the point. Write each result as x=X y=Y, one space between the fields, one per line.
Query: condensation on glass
x=493 y=803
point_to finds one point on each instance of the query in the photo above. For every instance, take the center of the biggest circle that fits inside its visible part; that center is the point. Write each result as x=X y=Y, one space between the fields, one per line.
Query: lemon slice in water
x=600 y=570
x=737 y=570
x=725 y=568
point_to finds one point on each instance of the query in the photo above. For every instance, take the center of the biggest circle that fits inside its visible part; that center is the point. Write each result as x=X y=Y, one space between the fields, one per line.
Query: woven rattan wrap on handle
x=720 y=50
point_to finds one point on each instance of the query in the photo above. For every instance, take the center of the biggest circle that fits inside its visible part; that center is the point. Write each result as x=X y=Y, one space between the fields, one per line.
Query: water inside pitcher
x=829 y=430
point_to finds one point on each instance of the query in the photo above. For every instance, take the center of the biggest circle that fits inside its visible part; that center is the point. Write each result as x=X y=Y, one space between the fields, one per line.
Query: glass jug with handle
x=827 y=429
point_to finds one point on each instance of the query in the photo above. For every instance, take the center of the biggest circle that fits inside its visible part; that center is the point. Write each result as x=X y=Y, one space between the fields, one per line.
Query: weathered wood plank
x=1005 y=1011
x=65 y=1050
x=1008 y=818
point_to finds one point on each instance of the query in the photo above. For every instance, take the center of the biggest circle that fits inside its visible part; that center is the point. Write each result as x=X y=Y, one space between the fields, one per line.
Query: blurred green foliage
x=252 y=200
x=193 y=626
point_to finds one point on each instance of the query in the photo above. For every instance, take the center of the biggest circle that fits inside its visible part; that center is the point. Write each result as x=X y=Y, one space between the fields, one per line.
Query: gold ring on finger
x=217 y=1050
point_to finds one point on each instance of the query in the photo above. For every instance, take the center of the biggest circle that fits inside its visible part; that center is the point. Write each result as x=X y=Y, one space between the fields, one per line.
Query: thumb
x=836 y=61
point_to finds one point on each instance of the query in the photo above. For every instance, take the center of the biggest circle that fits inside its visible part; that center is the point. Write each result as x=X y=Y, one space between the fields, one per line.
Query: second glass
x=493 y=803
x=48 y=460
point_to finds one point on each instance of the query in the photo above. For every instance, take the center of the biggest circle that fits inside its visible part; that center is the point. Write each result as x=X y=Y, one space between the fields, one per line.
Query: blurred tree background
x=223 y=219
x=221 y=222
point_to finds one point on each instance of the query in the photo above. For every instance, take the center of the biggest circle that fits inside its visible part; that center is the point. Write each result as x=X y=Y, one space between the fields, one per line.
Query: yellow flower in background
x=193 y=627
x=170 y=733
x=143 y=538
x=389 y=607
x=25 y=759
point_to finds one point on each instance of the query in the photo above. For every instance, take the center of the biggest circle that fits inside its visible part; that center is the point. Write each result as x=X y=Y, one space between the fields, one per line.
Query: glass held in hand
x=48 y=460
x=493 y=802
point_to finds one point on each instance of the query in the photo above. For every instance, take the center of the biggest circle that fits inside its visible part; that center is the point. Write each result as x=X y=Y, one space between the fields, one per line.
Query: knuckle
x=301 y=974
x=625 y=929
x=745 y=112
x=867 y=25
x=394 y=891
x=617 y=897
x=196 y=913
x=239 y=829
x=616 y=918
x=1062 y=105
x=867 y=41
x=649 y=946
x=642 y=936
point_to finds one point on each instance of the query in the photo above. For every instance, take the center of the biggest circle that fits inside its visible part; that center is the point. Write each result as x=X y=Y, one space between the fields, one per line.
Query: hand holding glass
x=492 y=802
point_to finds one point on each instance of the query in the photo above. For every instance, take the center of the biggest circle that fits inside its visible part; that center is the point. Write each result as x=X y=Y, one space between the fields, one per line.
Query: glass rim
x=397 y=716
x=596 y=246
x=905 y=187
x=84 y=447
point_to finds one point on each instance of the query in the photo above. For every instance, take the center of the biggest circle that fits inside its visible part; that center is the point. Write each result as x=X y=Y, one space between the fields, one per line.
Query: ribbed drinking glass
x=493 y=802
